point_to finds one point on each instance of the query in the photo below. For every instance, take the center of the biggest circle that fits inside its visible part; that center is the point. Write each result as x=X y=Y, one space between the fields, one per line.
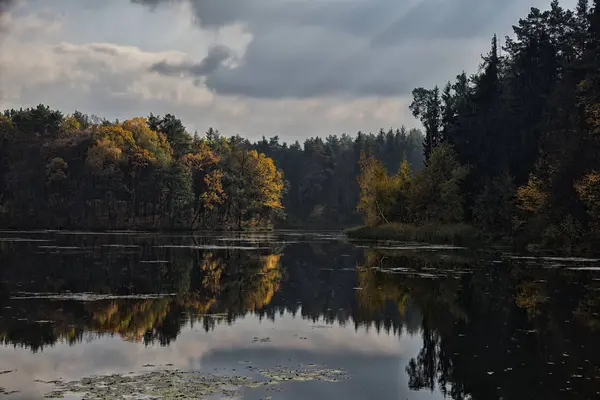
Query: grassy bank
x=456 y=234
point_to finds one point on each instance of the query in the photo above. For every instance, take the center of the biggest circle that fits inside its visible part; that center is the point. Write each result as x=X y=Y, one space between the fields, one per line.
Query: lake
x=290 y=315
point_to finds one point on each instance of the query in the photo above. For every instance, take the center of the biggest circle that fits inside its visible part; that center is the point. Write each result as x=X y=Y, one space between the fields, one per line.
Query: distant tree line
x=322 y=190
x=514 y=148
x=80 y=171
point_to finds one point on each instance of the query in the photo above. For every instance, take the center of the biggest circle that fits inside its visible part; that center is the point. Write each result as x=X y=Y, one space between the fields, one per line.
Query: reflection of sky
x=375 y=362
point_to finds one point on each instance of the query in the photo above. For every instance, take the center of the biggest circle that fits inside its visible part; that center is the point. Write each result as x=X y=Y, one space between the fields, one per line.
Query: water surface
x=287 y=310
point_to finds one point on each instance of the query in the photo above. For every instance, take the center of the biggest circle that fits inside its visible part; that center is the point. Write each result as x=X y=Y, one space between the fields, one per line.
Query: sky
x=293 y=68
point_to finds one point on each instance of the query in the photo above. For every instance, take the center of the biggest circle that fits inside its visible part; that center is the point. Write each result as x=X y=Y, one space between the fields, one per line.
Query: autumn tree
x=383 y=198
x=253 y=186
x=207 y=183
x=373 y=182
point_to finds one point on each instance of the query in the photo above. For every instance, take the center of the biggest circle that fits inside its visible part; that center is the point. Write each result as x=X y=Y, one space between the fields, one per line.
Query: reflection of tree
x=27 y=324
x=232 y=283
x=507 y=331
x=376 y=290
x=260 y=288
x=407 y=279
x=239 y=283
x=130 y=319
x=531 y=296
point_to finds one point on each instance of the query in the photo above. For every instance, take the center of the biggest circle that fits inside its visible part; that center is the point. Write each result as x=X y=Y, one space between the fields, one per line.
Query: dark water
x=399 y=323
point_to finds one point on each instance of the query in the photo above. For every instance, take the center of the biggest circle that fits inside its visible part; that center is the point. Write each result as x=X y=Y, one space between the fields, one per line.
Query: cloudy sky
x=295 y=68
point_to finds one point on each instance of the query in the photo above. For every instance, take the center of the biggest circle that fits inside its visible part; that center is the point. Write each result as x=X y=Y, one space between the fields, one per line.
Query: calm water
x=340 y=321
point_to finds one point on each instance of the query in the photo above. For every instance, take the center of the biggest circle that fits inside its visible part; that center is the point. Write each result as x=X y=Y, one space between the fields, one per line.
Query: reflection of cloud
x=285 y=333
x=196 y=348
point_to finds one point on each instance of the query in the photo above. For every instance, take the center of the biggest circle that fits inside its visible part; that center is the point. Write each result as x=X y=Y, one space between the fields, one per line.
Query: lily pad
x=158 y=385
x=304 y=373
x=176 y=384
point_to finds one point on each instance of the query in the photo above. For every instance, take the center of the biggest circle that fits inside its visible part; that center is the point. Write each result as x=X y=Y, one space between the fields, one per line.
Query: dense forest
x=322 y=189
x=513 y=149
x=80 y=171
x=510 y=151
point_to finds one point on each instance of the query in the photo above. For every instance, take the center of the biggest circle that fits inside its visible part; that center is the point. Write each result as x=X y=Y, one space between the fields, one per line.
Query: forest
x=78 y=171
x=70 y=172
x=511 y=151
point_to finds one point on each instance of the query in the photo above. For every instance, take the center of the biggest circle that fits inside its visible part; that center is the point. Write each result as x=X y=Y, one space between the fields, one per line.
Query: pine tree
x=427 y=107
x=448 y=113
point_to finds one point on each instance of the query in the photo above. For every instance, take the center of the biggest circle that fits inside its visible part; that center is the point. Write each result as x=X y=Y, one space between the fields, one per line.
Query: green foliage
x=435 y=194
x=494 y=206
x=175 y=132
x=432 y=199
x=427 y=107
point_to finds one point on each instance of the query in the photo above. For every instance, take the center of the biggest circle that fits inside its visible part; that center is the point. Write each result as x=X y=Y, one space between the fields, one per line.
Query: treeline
x=512 y=149
x=322 y=190
x=79 y=171
x=72 y=172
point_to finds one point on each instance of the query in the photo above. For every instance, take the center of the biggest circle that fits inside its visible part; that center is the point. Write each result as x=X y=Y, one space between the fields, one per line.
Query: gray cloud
x=5 y=5
x=437 y=18
x=217 y=55
x=356 y=48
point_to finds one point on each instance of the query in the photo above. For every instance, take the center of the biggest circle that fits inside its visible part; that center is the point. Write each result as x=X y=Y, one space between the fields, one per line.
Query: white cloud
x=40 y=63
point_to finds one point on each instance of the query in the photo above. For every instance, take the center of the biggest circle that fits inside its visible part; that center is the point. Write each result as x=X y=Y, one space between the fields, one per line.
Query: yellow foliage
x=140 y=158
x=133 y=139
x=261 y=292
x=152 y=141
x=70 y=124
x=115 y=134
x=213 y=269
x=531 y=297
x=199 y=163
x=405 y=171
x=266 y=183
x=372 y=177
x=105 y=151
x=130 y=319
x=215 y=193
x=588 y=189
x=380 y=193
x=202 y=158
x=270 y=262
x=531 y=197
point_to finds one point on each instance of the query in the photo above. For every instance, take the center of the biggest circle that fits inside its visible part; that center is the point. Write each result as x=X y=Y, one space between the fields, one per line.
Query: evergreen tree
x=427 y=107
